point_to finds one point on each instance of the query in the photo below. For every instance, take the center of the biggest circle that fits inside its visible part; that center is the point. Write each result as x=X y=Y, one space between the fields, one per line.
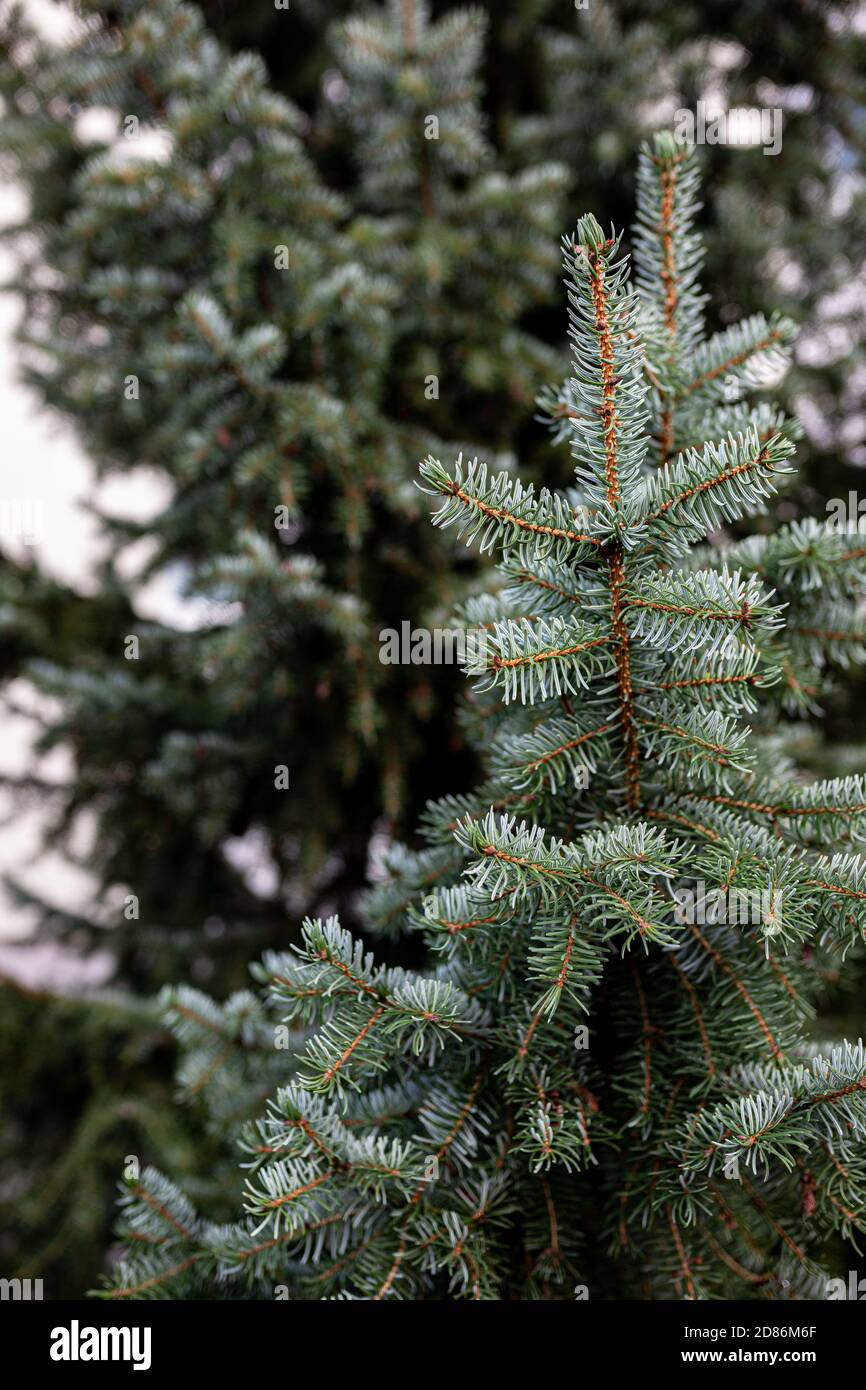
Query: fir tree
x=199 y=300
x=151 y=754
x=219 y=313
x=601 y=1079
x=786 y=229
x=480 y=256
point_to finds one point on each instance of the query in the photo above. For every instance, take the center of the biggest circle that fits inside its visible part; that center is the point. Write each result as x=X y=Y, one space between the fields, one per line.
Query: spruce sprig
x=601 y=1074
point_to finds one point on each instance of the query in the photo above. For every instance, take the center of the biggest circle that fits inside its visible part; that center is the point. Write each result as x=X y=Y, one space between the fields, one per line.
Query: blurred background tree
x=198 y=301
x=310 y=297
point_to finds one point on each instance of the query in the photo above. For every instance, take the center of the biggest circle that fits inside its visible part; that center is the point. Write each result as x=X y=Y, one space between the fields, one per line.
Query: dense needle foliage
x=601 y=1081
